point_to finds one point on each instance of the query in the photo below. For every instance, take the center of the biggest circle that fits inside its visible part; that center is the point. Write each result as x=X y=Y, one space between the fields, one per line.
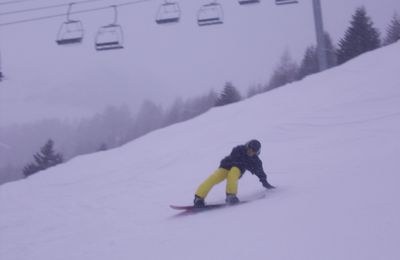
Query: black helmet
x=255 y=145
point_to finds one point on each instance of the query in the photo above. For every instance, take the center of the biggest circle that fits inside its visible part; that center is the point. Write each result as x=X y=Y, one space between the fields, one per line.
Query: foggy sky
x=159 y=62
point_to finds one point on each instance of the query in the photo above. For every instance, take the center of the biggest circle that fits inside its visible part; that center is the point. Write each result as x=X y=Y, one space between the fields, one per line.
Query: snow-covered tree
x=255 y=90
x=229 y=95
x=44 y=159
x=360 y=37
x=393 y=30
x=285 y=72
x=175 y=113
x=149 y=118
x=310 y=64
x=330 y=51
x=199 y=105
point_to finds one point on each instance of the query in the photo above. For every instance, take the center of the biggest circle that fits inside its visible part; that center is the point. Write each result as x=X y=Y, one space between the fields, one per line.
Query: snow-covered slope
x=330 y=144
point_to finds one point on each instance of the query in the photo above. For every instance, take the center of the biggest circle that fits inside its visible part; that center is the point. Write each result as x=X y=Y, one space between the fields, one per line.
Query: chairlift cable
x=12 y=2
x=46 y=7
x=74 y=12
x=278 y=2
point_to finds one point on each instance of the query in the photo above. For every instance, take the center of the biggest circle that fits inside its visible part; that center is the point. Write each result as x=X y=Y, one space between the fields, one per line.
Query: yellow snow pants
x=231 y=176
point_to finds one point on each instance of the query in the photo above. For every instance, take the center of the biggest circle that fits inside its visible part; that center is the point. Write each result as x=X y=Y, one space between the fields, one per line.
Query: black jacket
x=240 y=159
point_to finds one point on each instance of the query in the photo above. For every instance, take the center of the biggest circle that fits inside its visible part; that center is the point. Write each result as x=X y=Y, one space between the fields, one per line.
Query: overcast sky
x=158 y=62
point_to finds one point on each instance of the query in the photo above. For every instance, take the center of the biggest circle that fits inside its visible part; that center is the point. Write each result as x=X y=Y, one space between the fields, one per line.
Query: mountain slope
x=330 y=144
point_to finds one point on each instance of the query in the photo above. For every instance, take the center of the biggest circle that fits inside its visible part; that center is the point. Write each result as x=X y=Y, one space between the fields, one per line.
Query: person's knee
x=232 y=180
x=234 y=172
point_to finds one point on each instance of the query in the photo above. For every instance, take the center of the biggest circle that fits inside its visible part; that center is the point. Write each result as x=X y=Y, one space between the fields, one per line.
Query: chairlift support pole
x=69 y=11
x=319 y=30
x=1 y=72
x=115 y=14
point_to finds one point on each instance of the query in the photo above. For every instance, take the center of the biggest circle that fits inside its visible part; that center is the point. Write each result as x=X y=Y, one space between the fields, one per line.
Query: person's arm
x=262 y=176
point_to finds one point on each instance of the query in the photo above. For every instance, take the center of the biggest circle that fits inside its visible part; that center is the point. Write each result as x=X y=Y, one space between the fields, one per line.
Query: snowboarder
x=242 y=158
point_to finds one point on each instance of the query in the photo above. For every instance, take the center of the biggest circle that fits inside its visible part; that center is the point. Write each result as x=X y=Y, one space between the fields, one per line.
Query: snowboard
x=190 y=209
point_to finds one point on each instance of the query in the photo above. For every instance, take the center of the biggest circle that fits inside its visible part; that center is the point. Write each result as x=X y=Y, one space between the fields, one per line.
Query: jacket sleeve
x=258 y=170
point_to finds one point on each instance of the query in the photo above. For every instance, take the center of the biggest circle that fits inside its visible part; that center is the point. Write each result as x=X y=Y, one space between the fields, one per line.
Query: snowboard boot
x=198 y=202
x=231 y=199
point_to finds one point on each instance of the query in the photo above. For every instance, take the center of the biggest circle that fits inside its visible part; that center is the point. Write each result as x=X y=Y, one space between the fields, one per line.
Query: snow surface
x=331 y=145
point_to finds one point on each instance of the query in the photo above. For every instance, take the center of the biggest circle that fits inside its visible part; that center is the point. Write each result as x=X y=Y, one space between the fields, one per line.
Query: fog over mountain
x=159 y=62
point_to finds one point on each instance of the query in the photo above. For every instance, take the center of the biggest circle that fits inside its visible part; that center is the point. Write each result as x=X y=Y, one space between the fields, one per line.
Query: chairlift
x=285 y=2
x=169 y=12
x=71 y=31
x=246 y=2
x=210 y=14
x=110 y=37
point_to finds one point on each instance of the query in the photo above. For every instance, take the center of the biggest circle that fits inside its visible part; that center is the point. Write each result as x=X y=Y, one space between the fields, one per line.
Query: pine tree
x=102 y=147
x=175 y=113
x=393 y=30
x=255 y=90
x=330 y=51
x=44 y=159
x=149 y=118
x=228 y=96
x=360 y=37
x=310 y=63
x=30 y=169
x=285 y=72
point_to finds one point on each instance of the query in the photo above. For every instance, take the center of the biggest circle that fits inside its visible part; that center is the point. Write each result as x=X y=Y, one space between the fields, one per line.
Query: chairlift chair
x=169 y=12
x=110 y=37
x=71 y=31
x=285 y=2
x=246 y=2
x=210 y=14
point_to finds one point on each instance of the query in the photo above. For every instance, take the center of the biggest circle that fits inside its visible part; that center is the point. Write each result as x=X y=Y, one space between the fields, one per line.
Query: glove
x=268 y=186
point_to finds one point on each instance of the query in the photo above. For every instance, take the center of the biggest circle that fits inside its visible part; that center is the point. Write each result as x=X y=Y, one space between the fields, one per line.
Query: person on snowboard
x=232 y=167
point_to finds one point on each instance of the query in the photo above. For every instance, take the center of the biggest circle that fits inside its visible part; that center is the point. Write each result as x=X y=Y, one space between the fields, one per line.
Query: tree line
x=59 y=141
x=361 y=36
x=116 y=126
